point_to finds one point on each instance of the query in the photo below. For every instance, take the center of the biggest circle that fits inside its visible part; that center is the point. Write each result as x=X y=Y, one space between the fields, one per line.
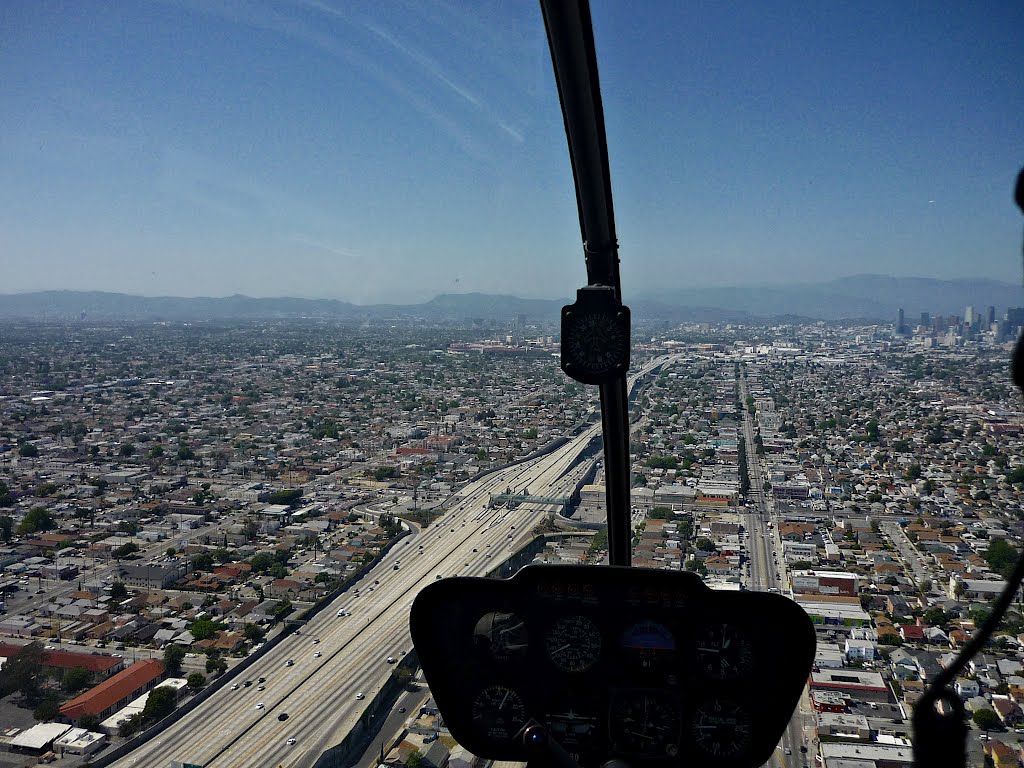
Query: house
x=1001 y=754
x=1008 y=710
x=967 y=688
x=912 y=633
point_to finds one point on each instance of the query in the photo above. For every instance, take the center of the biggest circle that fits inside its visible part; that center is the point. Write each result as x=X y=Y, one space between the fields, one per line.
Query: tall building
x=900 y=325
x=990 y=317
x=926 y=320
x=969 y=317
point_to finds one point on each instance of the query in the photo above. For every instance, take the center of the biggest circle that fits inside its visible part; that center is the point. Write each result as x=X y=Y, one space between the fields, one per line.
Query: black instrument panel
x=648 y=666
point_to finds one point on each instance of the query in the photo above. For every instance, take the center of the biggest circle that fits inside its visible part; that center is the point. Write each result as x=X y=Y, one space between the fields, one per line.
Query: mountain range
x=859 y=297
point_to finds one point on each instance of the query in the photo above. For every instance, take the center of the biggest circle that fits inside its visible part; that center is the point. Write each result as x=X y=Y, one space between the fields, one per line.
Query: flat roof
x=38 y=736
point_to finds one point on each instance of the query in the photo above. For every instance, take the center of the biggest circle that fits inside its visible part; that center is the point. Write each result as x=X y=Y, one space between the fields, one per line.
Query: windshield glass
x=281 y=280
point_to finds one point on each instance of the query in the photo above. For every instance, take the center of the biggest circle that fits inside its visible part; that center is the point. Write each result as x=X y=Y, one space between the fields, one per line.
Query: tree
x=6 y=499
x=202 y=561
x=1001 y=557
x=160 y=703
x=37 y=519
x=130 y=726
x=414 y=760
x=21 y=673
x=48 y=710
x=196 y=681
x=253 y=633
x=127 y=449
x=278 y=571
x=216 y=666
x=129 y=548
x=28 y=451
x=173 y=656
x=926 y=585
x=89 y=722
x=286 y=496
x=987 y=720
x=171 y=552
x=660 y=513
x=706 y=545
x=202 y=629
x=6 y=527
x=118 y=590
x=75 y=679
x=282 y=609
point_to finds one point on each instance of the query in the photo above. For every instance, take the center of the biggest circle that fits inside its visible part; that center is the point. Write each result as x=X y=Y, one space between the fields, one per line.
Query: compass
x=595 y=336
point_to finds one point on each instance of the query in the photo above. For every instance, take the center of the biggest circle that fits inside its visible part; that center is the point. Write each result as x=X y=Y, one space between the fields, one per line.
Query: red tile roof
x=98 y=700
x=67 y=659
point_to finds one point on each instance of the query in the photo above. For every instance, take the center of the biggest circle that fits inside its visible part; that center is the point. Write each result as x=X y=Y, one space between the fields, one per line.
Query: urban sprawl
x=176 y=498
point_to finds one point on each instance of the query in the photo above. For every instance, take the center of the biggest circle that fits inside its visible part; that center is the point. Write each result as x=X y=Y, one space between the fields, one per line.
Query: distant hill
x=869 y=297
x=866 y=297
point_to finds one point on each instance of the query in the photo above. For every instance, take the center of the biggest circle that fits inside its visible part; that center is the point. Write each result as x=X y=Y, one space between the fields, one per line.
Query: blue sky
x=390 y=151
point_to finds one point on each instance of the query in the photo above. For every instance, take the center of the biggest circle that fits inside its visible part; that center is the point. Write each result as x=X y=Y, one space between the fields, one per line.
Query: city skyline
x=395 y=153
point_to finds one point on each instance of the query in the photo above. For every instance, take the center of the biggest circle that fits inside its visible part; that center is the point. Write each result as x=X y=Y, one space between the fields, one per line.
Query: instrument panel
x=647 y=666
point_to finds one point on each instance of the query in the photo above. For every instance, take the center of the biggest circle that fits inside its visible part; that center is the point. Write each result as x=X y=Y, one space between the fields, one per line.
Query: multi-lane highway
x=318 y=682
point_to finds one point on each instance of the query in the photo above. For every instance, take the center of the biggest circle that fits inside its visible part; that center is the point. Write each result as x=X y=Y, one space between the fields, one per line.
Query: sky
x=389 y=151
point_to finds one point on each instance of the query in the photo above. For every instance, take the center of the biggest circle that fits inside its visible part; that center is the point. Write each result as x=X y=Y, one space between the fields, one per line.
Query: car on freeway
x=360 y=696
x=316 y=640
x=317 y=655
x=235 y=687
x=291 y=742
x=247 y=683
x=261 y=688
x=289 y=663
x=262 y=680
x=401 y=710
x=341 y=613
x=392 y=659
x=261 y=705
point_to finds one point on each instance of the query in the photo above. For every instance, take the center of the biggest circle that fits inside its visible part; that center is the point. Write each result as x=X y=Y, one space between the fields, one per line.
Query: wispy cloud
x=303 y=240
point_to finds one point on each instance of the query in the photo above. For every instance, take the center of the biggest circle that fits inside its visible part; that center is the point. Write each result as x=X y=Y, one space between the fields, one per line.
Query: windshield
x=282 y=282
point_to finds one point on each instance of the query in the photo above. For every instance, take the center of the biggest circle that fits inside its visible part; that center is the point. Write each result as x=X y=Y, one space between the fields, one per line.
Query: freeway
x=322 y=679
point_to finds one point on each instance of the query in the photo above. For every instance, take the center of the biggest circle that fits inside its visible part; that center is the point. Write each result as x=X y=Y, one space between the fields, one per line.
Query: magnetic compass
x=595 y=336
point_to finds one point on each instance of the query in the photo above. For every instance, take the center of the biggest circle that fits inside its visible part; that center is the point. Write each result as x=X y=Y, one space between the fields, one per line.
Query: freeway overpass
x=319 y=691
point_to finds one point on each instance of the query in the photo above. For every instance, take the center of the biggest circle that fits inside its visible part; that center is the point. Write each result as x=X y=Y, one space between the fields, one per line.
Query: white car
x=360 y=696
x=341 y=613
x=234 y=687
x=260 y=705
x=392 y=659
x=317 y=655
x=291 y=742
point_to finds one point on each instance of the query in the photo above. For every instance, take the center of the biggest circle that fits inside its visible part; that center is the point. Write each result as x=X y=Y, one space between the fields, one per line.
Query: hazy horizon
x=392 y=153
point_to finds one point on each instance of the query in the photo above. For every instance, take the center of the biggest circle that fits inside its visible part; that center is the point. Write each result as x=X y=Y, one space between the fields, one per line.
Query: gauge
x=573 y=643
x=723 y=651
x=721 y=728
x=572 y=724
x=501 y=635
x=499 y=712
x=645 y=723
x=647 y=643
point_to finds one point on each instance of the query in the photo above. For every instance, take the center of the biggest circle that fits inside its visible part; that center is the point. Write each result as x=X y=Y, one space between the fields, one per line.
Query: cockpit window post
x=595 y=330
